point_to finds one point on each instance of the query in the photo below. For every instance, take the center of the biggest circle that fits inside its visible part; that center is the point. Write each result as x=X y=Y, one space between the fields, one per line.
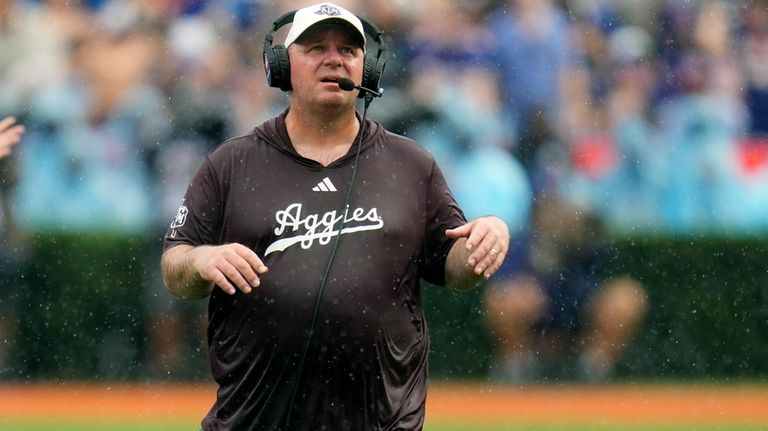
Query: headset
x=277 y=66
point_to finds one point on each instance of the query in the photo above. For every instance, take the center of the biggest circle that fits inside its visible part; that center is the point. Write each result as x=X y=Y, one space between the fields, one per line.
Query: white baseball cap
x=311 y=15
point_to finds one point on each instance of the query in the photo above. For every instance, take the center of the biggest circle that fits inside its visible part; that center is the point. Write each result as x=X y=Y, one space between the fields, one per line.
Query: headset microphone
x=347 y=84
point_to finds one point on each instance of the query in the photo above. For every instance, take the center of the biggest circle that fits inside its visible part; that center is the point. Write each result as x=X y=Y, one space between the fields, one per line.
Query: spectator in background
x=753 y=46
x=698 y=125
x=556 y=309
x=175 y=330
x=11 y=256
x=754 y=57
x=93 y=135
x=202 y=109
x=10 y=135
x=616 y=169
x=450 y=58
x=86 y=174
x=35 y=38
x=557 y=300
x=535 y=56
x=397 y=19
x=27 y=58
x=34 y=43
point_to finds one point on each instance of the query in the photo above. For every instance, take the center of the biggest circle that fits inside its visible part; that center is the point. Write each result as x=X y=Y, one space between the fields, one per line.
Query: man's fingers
x=485 y=242
x=489 y=262
x=459 y=232
x=252 y=259
x=479 y=244
x=495 y=265
x=236 y=276
x=487 y=256
x=247 y=270
x=233 y=267
x=220 y=280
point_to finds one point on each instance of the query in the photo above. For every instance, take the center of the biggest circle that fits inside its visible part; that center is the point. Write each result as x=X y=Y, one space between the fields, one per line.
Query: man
x=332 y=335
x=10 y=135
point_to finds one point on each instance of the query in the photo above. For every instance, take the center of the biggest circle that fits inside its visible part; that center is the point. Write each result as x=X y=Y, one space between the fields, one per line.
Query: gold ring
x=494 y=251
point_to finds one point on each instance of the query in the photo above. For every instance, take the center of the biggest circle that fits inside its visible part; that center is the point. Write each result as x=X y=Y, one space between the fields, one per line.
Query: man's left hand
x=486 y=245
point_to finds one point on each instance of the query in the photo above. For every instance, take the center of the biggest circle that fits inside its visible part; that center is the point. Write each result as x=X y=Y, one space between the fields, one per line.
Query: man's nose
x=333 y=58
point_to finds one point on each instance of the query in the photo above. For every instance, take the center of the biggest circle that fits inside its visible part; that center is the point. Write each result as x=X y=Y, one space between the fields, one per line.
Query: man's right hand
x=229 y=264
x=191 y=272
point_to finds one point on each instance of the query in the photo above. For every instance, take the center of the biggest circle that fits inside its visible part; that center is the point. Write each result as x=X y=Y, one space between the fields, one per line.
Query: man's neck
x=324 y=138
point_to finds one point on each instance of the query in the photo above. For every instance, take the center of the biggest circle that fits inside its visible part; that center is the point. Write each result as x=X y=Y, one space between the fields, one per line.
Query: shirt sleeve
x=199 y=217
x=442 y=213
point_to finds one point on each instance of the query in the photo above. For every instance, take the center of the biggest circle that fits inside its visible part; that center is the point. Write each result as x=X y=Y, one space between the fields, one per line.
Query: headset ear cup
x=277 y=66
x=373 y=64
x=270 y=66
x=373 y=69
x=370 y=77
x=274 y=66
x=283 y=68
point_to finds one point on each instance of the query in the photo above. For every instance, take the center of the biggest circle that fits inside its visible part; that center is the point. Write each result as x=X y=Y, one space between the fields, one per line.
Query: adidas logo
x=324 y=186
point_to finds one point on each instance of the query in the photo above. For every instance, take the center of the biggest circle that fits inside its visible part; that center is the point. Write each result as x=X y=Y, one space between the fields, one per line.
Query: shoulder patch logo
x=181 y=217
x=324 y=186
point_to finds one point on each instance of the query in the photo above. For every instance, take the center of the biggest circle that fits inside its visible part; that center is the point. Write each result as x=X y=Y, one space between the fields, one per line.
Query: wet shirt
x=365 y=364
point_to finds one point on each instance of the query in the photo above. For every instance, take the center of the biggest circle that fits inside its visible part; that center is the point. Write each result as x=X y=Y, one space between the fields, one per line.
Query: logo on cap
x=328 y=10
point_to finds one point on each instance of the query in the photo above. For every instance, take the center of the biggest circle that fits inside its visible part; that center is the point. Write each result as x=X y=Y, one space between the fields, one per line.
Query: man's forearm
x=179 y=275
x=459 y=275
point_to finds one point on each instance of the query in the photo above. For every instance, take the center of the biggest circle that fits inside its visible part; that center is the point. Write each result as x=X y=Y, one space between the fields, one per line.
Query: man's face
x=319 y=58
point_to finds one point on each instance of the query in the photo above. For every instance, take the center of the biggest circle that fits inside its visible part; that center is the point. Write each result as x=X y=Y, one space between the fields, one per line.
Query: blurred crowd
x=651 y=115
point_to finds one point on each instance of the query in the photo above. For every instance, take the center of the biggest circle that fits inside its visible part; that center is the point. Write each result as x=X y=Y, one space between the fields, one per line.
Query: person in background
x=10 y=135
x=702 y=120
x=556 y=299
x=10 y=256
x=754 y=58
x=536 y=58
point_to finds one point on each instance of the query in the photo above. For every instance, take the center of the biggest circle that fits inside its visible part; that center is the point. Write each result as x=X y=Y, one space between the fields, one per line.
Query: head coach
x=310 y=236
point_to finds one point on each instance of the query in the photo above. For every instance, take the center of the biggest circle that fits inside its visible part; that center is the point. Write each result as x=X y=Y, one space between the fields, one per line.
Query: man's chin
x=335 y=102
